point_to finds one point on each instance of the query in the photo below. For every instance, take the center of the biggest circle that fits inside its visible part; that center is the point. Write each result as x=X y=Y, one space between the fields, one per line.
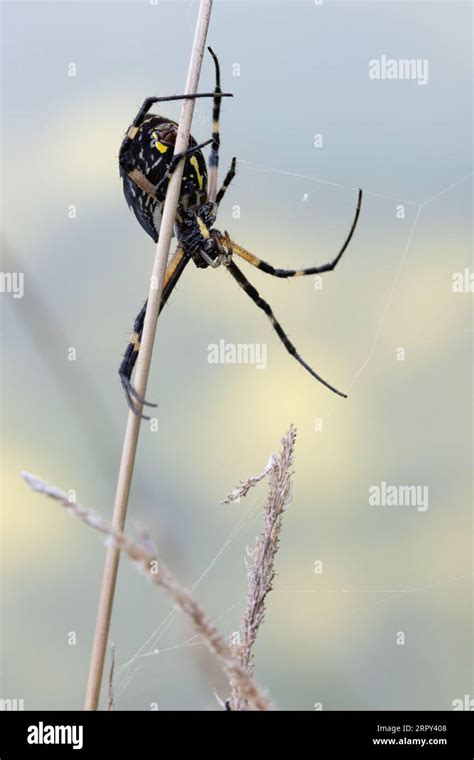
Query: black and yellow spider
x=146 y=164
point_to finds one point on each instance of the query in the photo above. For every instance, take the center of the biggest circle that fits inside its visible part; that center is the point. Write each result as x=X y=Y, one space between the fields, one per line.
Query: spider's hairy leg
x=227 y=180
x=175 y=161
x=269 y=269
x=144 y=183
x=258 y=300
x=173 y=272
x=137 y=122
x=149 y=102
x=216 y=140
x=128 y=363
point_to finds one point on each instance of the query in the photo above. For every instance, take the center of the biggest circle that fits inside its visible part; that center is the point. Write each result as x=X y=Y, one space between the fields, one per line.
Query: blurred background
x=386 y=327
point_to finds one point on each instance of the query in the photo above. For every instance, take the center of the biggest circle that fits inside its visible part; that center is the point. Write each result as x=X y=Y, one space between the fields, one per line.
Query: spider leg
x=227 y=180
x=216 y=140
x=265 y=267
x=144 y=183
x=129 y=359
x=258 y=300
x=175 y=161
x=139 y=178
x=149 y=102
x=173 y=272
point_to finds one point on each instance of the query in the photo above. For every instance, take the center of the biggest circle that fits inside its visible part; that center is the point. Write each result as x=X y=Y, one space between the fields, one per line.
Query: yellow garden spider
x=146 y=164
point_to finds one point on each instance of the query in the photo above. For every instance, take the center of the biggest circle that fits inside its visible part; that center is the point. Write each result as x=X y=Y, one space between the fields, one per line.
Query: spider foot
x=133 y=398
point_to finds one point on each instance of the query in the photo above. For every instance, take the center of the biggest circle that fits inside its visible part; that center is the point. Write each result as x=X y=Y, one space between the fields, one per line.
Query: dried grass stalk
x=244 y=486
x=146 y=557
x=110 y=695
x=130 y=442
x=261 y=560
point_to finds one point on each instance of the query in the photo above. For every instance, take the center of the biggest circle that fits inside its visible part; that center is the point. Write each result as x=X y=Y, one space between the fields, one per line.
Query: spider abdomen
x=147 y=151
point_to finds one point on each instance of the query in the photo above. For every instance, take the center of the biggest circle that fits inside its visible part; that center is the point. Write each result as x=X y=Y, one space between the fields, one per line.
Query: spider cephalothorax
x=146 y=163
x=207 y=246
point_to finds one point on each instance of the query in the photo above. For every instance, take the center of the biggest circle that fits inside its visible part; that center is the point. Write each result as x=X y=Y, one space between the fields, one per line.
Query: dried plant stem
x=143 y=366
x=110 y=696
x=145 y=555
x=261 y=560
x=244 y=486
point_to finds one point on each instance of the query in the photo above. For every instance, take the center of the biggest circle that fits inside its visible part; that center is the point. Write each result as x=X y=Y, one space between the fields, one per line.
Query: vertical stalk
x=130 y=442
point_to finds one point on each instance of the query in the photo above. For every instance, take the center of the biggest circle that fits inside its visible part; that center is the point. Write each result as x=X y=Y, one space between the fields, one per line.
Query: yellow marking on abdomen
x=159 y=145
x=132 y=132
x=135 y=341
x=194 y=163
